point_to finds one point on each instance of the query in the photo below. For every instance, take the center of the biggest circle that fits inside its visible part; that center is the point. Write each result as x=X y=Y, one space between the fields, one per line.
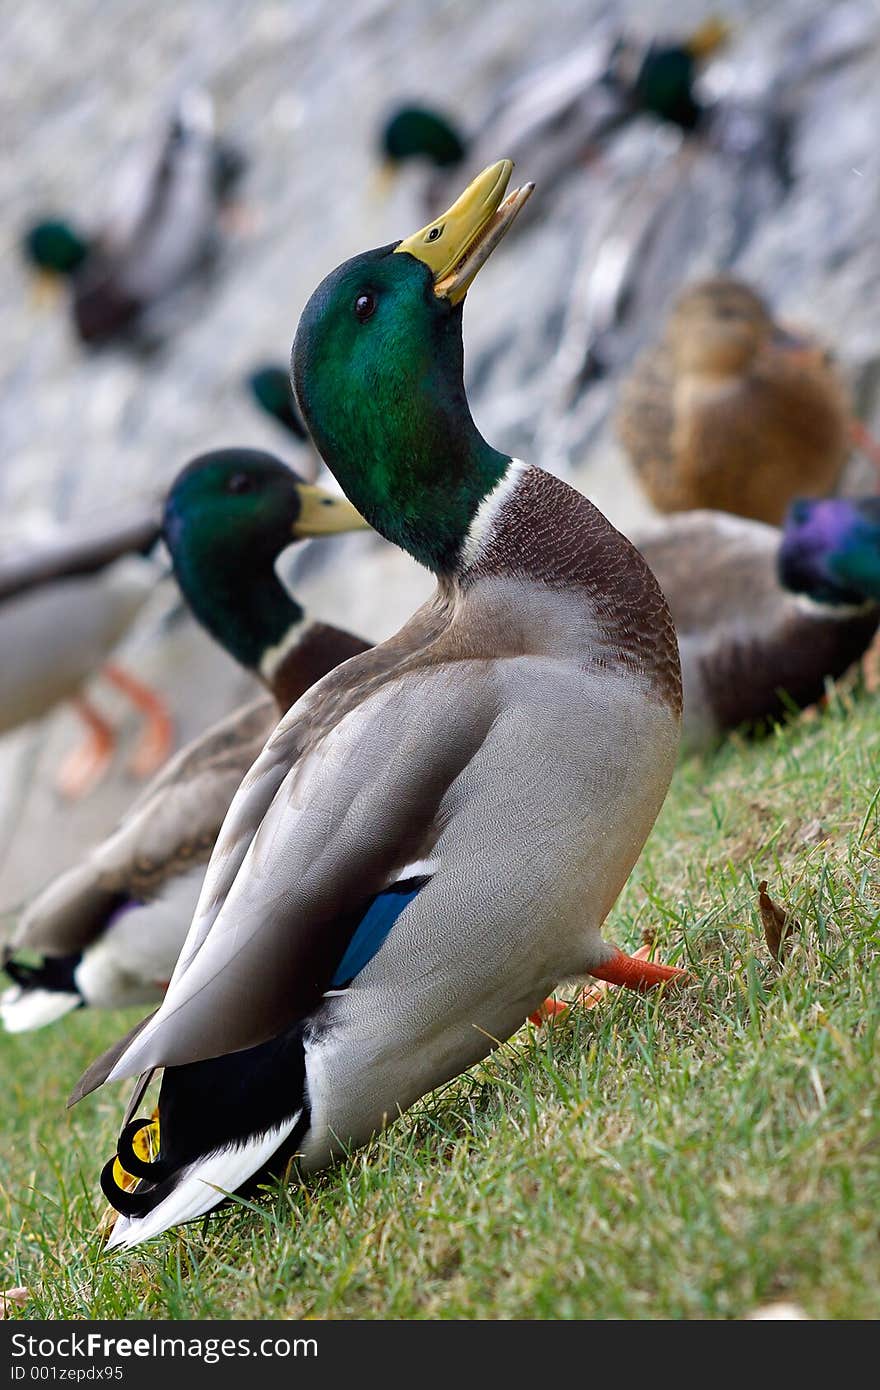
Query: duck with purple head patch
x=766 y=615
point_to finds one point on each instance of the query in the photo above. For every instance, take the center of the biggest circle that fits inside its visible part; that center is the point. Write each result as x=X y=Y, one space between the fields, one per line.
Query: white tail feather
x=22 y=1010
x=201 y=1186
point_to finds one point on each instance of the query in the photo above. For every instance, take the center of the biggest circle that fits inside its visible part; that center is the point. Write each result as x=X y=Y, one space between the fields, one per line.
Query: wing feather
x=303 y=849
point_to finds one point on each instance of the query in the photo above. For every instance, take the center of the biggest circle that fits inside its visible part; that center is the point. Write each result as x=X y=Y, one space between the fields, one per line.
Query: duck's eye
x=434 y=233
x=364 y=307
x=239 y=482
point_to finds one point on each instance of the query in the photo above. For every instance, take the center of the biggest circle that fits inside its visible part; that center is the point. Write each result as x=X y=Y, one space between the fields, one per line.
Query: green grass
x=660 y=1156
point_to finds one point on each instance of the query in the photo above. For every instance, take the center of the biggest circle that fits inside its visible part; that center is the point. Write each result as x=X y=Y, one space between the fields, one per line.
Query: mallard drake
x=111 y=928
x=559 y=113
x=732 y=412
x=66 y=601
x=766 y=615
x=163 y=231
x=435 y=833
x=659 y=80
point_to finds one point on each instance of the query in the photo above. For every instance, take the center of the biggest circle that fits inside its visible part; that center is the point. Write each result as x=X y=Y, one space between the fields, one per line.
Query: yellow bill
x=46 y=289
x=323 y=513
x=710 y=36
x=383 y=180
x=455 y=245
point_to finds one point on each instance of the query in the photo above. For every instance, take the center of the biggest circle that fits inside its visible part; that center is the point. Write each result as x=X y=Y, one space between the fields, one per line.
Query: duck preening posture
x=163 y=231
x=731 y=411
x=110 y=929
x=66 y=600
x=766 y=616
x=434 y=834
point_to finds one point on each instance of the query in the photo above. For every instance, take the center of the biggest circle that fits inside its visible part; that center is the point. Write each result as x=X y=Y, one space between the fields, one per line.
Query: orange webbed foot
x=85 y=765
x=633 y=972
x=636 y=971
x=156 y=740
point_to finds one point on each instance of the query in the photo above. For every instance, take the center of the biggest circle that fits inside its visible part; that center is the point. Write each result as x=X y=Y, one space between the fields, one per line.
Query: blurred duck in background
x=110 y=929
x=270 y=388
x=554 y=118
x=666 y=204
x=765 y=616
x=731 y=411
x=660 y=80
x=162 y=231
x=66 y=601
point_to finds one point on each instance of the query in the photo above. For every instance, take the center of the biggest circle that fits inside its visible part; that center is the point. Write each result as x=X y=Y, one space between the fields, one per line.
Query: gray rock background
x=302 y=87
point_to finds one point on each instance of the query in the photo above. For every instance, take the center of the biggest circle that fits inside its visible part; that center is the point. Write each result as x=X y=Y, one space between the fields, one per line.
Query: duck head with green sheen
x=378 y=371
x=54 y=246
x=831 y=549
x=228 y=517
x=270 y=386
x=419 y=132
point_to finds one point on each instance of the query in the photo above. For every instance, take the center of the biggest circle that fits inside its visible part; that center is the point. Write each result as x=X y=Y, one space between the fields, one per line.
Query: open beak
x=324 y=513
x=455 y=245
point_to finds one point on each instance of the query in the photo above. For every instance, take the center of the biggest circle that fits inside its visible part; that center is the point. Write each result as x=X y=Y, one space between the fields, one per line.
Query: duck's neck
x=407 y=452
x=307 y=652
x=534 y=527
x=244 y=606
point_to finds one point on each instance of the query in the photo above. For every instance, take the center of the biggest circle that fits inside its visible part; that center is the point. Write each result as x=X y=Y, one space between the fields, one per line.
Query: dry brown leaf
x=107 y=1220
x=776 y=922
x=812 y=832
x=12 y=1298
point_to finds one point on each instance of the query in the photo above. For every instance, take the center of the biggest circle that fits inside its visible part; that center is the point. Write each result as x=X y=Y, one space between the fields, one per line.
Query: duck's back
x=560 y=650
x=750 y=444
x=750 y=650
x=744 y=443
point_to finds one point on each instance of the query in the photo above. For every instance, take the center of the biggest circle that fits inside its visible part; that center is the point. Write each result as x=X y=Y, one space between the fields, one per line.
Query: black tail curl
x=138 y=1201
x=55 y=973
x=210 y=1105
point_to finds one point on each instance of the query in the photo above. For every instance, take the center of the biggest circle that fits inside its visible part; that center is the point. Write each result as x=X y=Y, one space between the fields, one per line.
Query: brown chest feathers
x=548 y=533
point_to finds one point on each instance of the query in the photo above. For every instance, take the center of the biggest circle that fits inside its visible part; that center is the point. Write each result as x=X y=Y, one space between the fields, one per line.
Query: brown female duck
x=732 y=412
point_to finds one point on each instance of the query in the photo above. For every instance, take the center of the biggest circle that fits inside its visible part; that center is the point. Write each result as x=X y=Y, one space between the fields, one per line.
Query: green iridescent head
x=378 y=373
x=418 y=132
x=663 y=83
x=271 y=388
x=831 y=549
x=664 y=87
x=54 y=245
x=228 y=517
